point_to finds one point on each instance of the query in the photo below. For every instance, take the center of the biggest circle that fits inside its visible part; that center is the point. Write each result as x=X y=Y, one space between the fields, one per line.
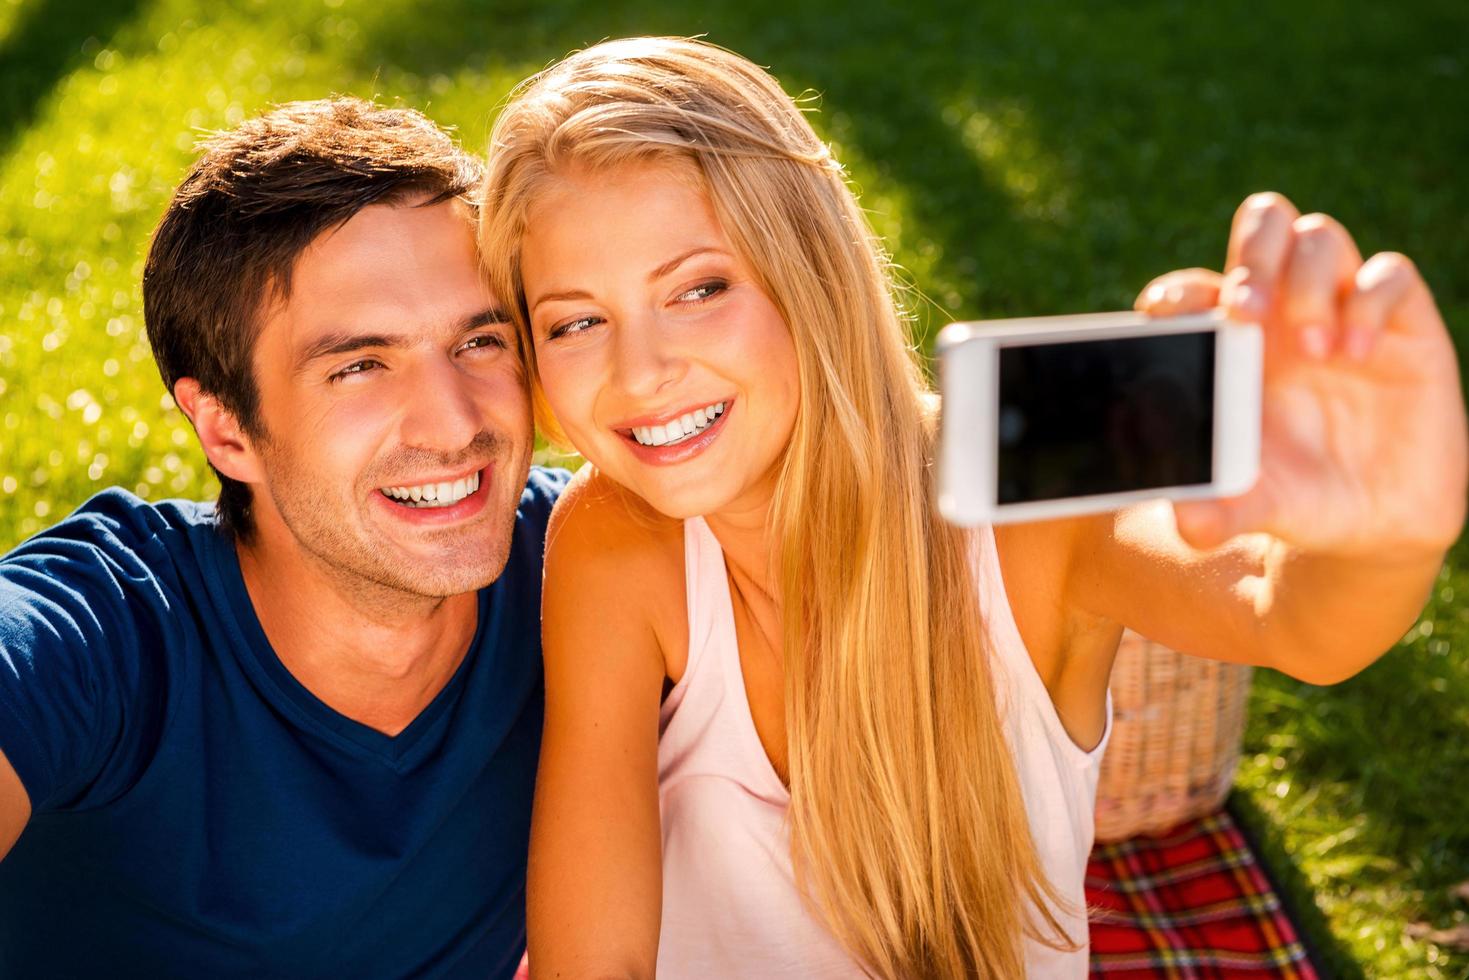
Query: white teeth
x=434 y=494
x=679 y=429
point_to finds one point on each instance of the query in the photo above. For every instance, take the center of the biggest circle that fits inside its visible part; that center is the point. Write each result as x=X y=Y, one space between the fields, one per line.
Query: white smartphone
x=1048 y=417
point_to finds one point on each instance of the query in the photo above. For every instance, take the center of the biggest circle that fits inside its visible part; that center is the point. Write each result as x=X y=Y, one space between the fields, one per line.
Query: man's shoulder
x=114 y=522
x=543 y=487
x=94 y=622
x=118 y=551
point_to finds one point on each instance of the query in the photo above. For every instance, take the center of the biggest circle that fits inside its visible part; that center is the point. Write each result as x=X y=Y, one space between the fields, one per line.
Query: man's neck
x=370 y=653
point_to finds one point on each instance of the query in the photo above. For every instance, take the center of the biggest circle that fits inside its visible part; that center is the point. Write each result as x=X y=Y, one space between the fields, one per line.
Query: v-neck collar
x=261 y=662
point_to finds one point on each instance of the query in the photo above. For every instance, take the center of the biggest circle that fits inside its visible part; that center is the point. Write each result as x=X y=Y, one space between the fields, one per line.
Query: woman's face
x=665 y=363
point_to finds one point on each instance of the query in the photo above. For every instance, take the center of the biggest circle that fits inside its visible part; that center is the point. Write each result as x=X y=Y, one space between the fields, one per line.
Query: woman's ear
x=228 y=448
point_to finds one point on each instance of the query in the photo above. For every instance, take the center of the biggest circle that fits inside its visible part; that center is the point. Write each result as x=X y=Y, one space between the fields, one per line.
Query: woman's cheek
x=571 y=402
x=553 y=379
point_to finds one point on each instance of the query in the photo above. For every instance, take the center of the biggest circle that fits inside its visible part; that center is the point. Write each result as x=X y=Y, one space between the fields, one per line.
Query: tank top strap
x=1019 y=678
x=994 y=605
x=711 y=616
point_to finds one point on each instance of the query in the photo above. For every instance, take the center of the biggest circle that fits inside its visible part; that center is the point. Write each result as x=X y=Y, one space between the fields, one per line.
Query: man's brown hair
x=255 y=198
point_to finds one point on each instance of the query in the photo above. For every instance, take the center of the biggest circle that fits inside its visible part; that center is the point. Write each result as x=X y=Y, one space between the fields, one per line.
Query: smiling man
x=293 y=733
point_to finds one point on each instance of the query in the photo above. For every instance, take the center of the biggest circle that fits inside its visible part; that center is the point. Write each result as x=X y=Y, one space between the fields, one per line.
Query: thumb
x=1207 y=524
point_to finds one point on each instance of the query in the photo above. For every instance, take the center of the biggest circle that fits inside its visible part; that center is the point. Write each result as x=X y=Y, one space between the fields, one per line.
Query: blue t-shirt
x=199 y=813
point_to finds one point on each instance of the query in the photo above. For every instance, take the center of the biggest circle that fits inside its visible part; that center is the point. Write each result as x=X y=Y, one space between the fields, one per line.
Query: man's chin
x=448 y=573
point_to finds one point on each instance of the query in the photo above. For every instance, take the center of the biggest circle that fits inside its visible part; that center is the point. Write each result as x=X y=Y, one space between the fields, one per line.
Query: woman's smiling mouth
x=678 y=438
x=684 y=427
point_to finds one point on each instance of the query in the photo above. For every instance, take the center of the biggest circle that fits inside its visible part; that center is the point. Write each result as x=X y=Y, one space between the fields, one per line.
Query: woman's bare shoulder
x=613 y=560
x=598 y=521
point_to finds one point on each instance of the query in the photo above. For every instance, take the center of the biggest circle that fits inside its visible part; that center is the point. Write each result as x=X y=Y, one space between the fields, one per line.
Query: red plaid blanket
x=1192 y=904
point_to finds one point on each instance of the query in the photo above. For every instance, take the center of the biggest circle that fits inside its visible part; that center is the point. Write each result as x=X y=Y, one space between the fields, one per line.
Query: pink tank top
x=730 y=904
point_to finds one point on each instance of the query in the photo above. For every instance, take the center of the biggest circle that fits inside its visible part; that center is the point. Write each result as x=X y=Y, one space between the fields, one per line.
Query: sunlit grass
x=1043 y=159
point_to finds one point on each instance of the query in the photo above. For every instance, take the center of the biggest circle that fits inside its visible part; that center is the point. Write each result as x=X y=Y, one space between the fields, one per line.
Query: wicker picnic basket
x=1176 y=729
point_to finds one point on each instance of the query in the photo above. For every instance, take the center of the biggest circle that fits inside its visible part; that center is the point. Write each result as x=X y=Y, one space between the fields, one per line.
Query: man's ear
x=229 y=449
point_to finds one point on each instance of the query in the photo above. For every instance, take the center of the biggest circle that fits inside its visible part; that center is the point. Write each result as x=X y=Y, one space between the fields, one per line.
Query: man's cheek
x=345 y=442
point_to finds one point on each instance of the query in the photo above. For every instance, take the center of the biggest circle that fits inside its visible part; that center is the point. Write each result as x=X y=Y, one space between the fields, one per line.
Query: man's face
x=397 y=431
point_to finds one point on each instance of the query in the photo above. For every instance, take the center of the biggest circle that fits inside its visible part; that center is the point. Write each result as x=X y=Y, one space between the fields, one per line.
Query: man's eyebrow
x=484 y=318
x=653 y=276
x=343 y=342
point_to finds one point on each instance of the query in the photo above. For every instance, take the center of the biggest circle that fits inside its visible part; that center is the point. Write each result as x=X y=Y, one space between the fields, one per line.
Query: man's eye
x=703 y=291
x=570 y=327
x=480 y=341
x=356 y=367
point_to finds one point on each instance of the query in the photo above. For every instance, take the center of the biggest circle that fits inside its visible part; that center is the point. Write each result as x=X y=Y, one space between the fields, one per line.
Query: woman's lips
x=678 y=452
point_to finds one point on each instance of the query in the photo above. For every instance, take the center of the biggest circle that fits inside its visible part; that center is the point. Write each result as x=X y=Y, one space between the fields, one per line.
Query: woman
x=797 y=725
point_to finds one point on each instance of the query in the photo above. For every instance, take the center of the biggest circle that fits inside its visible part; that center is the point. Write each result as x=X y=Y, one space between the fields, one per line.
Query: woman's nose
x=646 y=359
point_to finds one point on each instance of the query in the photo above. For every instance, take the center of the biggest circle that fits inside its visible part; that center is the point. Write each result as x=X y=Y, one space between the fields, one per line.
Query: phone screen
x=1105 y=416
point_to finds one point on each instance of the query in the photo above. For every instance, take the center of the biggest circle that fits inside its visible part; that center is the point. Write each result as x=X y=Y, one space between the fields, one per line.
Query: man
x=295 y=733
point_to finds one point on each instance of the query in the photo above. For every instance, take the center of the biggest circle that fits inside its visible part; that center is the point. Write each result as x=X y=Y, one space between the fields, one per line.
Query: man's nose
x=441 y=412
x=646 y=359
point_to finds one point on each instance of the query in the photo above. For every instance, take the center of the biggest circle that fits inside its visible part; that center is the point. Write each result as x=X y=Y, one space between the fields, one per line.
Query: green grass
x=1043 y=160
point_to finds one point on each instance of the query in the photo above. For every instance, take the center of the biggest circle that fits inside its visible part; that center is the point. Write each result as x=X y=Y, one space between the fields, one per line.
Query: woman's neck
x=743 y=531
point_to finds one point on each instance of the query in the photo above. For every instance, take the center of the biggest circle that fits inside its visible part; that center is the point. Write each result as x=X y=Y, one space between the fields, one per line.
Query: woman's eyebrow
x=557 y=297
x=656 y=274
x=679 y=260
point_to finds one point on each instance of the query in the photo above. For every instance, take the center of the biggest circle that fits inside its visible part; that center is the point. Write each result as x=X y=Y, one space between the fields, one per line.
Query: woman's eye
x=570 y=327
x=356 y=367
x=703 y=291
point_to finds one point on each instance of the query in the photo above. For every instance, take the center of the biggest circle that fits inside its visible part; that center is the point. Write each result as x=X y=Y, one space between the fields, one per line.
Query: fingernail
x=1248 y=299
x=1314 y=342
x=1155 y=294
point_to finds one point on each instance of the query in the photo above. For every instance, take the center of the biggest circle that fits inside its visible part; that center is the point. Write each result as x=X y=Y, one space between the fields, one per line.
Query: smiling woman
x=676 y=238
x=645 y=341
x=796 y=725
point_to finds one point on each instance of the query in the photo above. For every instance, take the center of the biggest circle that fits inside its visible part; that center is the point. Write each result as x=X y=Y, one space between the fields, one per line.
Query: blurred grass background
x=1048 y=158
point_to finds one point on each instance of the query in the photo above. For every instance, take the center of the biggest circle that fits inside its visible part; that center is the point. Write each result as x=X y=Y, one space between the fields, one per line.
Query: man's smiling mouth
x=431 y=495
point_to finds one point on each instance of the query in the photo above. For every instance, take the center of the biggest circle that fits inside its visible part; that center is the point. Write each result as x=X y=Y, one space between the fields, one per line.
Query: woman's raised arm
x=1324 y=564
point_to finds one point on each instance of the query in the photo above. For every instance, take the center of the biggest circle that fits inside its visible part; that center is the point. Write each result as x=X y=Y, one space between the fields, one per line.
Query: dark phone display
x=1105 y=416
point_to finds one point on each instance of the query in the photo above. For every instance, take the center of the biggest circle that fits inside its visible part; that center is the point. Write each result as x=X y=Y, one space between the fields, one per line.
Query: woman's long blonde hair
x=908 y=831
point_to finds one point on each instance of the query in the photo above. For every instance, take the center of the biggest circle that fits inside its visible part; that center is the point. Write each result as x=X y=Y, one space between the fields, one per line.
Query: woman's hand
x=1364 y=450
